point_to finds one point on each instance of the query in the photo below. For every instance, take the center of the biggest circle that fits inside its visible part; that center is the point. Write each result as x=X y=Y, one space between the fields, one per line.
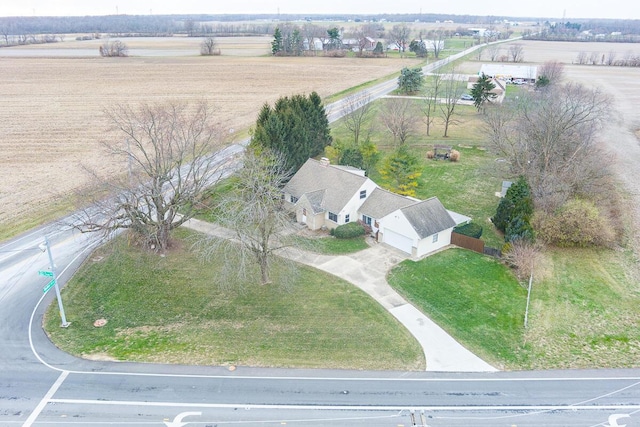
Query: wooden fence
x=467 y=242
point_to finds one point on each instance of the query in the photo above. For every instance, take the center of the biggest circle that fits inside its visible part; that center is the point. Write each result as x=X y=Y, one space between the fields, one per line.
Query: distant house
x=499 y=90
x=326 y=196
x=506 y=72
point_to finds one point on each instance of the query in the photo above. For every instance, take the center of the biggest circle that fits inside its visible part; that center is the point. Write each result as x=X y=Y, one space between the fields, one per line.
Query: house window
x=435 y=238
x=366 y=219
x=363 y=194
x=294 y=199
x=346 y=218
x=333 y=217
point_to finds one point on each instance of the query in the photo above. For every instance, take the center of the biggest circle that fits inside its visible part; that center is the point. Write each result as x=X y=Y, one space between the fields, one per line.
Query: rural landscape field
x=52 y=125
x=51 y=108
x=52 y=101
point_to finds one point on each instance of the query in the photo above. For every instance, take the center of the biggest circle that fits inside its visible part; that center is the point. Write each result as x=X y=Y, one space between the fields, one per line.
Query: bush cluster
x=577 y=223
x=348 y=231
x=471 y=229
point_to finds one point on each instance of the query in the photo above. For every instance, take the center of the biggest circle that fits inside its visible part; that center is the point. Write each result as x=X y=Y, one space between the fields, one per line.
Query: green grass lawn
x=331 y=246
x=172 y=309
x=583 y=313
x=473 y=297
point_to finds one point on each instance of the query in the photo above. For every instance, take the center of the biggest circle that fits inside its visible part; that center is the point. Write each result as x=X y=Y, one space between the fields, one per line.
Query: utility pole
x=55 y=283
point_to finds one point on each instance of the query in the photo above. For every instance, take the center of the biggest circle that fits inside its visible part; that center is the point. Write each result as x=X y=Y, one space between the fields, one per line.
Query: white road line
x=46 y=399
x=347 y=407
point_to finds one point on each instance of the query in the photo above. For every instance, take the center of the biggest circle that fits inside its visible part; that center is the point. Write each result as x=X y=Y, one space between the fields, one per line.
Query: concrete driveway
x=367 y=269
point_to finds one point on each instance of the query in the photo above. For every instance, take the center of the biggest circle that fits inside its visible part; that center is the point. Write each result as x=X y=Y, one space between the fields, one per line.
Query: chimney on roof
x=324 y=162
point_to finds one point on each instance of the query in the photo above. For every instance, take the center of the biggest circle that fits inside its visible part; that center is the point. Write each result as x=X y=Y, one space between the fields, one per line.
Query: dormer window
x=363 y=194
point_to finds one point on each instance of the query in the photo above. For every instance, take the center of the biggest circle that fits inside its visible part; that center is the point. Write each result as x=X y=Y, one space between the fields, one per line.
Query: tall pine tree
x=296 y=126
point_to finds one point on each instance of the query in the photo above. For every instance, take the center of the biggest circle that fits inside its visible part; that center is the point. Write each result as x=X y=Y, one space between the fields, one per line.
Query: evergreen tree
x=296 y=126
x=410 y=80
x=481 y=91
x=402 y=169
x=514 y=212
x=277 y=45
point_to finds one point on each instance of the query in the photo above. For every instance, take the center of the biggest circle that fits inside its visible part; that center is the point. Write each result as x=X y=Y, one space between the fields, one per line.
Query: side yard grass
x=583 y=311
x=172 y=309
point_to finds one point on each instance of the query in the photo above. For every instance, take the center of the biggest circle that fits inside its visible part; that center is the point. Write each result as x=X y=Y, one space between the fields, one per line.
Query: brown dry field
x=51 y=118
x=621 y=138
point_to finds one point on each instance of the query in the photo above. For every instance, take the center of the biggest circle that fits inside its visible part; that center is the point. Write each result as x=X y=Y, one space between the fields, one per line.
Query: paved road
x=41 y=386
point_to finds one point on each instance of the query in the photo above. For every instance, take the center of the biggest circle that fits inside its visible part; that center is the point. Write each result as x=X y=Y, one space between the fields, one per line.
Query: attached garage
x=397 y=240
x=419 y=228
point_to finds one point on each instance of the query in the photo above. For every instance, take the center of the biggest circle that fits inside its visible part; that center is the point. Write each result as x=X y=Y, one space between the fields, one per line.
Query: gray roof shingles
x=381 y=203
x=340 y=184
x=428 y=217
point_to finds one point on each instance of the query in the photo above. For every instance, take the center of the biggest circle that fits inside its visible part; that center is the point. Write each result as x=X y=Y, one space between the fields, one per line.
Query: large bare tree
x=550 y=138
x=209 y=46
x=255 y=213
x=516 y=52
x=399 y=117
x=166 y=151
x=400 y=35
x=452 y=88
x=431 y=100
x=356 y=109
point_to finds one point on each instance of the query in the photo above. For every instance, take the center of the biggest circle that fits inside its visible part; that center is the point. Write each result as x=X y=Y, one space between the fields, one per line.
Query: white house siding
x=352 y=206
x=427 y=245
x=396 y=224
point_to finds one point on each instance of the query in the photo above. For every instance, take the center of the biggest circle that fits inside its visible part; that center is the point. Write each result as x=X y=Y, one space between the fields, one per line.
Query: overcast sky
x=624 y=9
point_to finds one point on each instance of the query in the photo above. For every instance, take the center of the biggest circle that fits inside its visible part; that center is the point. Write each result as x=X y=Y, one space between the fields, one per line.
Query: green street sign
x=49 y=286
x=45 y=273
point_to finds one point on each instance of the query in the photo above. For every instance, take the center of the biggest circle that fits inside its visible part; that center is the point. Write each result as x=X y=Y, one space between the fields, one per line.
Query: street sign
x=45 y=273
x=49 y=286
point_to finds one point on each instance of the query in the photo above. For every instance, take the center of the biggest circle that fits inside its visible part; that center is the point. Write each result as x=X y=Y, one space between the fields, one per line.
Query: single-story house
x=507 y=72
x=326 y=195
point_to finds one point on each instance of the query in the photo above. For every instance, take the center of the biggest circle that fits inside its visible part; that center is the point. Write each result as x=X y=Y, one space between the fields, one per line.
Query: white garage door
x=397 y=240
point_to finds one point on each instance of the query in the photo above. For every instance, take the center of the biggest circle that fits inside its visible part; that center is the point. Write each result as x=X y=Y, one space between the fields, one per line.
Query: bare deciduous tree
x=494 y=52
x=431 y=100
x=356 y=111
x=255 y=213
x=516 y=52
x=549 y=137
x=553 y=71
x=209 y=46
x=114 y=48
x=452 y=88
x=399 y=36
x=436 y=41
x=168 y=151
x=399 y=117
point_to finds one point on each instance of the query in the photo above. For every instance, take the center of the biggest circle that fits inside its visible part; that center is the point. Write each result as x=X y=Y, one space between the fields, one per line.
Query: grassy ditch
x=172 y=309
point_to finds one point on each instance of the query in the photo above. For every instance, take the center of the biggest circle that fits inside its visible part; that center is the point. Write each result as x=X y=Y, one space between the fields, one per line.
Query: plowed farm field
x=51 y=111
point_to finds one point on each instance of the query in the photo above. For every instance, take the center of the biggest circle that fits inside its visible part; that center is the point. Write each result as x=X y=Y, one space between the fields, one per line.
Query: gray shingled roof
x=382 y=202
x=316 y=200
x=428 y=217
x=340 y=184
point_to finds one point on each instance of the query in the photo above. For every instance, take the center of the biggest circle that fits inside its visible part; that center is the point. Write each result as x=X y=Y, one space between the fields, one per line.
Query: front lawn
x=473 y=297
x=172 y=309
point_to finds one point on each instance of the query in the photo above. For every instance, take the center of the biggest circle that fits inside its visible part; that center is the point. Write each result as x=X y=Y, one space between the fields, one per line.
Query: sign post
x=54 y=282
